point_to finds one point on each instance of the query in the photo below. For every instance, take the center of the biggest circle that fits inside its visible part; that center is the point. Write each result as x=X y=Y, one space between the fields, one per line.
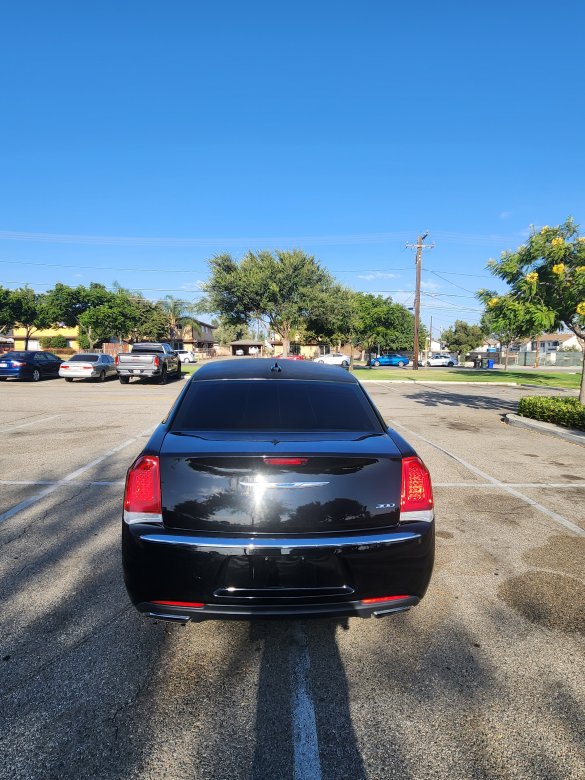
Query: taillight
x=117 y=359
x=380 y=599
x=416 y=494
x=192 y=604
x=156 y=360
x=142 y=499
x=18 y=363
x=286 y=461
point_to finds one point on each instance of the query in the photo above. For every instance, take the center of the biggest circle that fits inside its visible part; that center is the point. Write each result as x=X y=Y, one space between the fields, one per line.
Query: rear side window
x=278 y=405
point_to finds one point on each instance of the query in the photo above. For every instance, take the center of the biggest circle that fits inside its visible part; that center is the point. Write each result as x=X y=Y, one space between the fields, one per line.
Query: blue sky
x=150 y=135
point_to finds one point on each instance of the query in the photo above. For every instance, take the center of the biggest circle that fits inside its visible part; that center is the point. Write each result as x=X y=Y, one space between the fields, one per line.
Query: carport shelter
x=245 y=345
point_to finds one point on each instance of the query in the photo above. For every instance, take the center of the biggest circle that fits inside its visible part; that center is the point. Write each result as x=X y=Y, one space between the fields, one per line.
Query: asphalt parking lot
x=485 y=679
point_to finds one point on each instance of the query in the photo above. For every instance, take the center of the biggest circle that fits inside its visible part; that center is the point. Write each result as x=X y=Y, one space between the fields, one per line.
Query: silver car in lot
x=86 y=365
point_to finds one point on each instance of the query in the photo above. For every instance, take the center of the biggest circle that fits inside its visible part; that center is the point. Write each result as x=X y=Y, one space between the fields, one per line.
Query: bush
x=53 y=342
x=568 y=412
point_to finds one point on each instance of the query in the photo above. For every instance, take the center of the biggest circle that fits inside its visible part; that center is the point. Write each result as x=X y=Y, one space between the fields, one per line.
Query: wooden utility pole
x=420 y=245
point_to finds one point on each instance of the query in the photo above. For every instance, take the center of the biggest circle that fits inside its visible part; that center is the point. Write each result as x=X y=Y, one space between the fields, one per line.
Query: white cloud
x=505 y=214
x=192 y=286
x=378 y=275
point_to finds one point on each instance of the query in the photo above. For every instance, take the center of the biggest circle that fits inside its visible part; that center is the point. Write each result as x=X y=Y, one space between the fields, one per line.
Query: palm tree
x=179 y=316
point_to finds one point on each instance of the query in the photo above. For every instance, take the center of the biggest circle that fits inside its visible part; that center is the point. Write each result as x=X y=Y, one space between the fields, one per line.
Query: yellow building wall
x=71 y=334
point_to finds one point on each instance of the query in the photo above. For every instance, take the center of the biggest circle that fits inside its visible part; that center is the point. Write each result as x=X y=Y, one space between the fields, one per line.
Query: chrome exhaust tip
x=382 y=612
x=168 y=618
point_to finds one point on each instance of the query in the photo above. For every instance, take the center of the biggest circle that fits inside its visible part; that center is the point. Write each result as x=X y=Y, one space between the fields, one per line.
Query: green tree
x=286 y=289
x=7 y=310
x=379 y=322
x=118 y=316
x=548 y=272
x=507 y=319
x=463 y=337
x=179 y=316
x=225 y=333
x=30 y=311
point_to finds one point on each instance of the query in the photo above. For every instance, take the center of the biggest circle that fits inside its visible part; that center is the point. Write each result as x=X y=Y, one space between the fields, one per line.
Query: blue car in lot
x=29 y=364
x=391 y=359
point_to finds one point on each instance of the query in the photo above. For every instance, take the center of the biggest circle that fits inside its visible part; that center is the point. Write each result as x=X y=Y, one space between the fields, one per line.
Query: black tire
x=400 y=363
x=428 y=363
x=376 y=363
x=344 y=363
x=179 y=371
x=68 y=379
x=163 y=376
x=124 y=379
x=450 y=363
x=102 y=376
x=36 y=375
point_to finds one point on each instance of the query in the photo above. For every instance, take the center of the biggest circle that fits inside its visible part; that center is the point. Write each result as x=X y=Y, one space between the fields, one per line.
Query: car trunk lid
x=280 y=487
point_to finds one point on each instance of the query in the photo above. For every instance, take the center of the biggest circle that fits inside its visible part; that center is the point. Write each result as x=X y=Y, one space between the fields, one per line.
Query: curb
x=568 y=434
x=457 y=382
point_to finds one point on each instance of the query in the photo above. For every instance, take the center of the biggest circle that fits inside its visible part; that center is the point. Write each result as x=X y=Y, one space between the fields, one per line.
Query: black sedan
x=29 y=364
x=276 y=490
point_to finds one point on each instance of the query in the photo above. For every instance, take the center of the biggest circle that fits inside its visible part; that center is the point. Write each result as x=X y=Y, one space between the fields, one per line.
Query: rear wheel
x=102 y=376
x=450 y=363
x=376 y=363
x=36 y=375
x=124 y=379
x=401 y=363
x=68 y=379
x=163 y=376
x=345 y=363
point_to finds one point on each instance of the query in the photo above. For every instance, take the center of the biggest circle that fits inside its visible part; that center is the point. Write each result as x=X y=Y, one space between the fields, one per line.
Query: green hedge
x=554 y=409
x=53 y=342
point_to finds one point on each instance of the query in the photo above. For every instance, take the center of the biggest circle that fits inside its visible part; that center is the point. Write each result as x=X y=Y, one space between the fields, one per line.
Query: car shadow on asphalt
x=284 y=643
x=446 y=398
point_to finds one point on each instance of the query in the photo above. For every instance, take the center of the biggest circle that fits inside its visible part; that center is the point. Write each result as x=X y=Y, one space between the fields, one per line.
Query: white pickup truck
x=148 y=360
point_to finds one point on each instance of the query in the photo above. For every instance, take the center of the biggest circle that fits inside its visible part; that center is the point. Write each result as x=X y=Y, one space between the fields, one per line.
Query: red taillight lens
x=64 y=365
x=416 y=493
x=156 y=361
x=286 y=461
x=142 y=492
x=117 y=359
x=197 y=604
x=379 y=599
x=18 y=363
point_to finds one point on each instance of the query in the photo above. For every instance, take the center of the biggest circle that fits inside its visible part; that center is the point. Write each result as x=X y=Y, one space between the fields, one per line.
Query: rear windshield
x=275 y=405
x=16 y=355
x=84 y=358
x=148 y=348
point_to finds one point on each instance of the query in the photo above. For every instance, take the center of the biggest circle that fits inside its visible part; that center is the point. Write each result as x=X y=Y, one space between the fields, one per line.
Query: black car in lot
x=276 y=490
x=29 y=364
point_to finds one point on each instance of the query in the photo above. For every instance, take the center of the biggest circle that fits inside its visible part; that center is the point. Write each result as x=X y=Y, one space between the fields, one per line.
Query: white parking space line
x=36 y=421
x=496 y=482
x=306 y=762
x=72 y=476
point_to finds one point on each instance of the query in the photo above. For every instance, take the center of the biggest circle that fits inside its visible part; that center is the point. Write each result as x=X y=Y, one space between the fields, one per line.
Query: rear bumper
x=180 y=614
x=246 y=578
x=147 y=372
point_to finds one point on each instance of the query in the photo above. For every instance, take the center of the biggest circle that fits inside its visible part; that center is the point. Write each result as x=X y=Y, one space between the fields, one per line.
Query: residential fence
x=560 y=359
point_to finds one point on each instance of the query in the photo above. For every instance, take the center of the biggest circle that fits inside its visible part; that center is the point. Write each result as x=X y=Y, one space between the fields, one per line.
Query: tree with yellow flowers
x=546 y=276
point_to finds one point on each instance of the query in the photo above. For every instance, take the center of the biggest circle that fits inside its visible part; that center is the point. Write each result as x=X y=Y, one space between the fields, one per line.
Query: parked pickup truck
x=148 y=360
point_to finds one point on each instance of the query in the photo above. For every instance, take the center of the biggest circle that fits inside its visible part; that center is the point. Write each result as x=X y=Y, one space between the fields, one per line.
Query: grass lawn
x=189 y=368
x=527 y=377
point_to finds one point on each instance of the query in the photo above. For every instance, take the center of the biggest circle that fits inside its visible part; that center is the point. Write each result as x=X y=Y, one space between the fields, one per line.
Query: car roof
x=271 y=368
